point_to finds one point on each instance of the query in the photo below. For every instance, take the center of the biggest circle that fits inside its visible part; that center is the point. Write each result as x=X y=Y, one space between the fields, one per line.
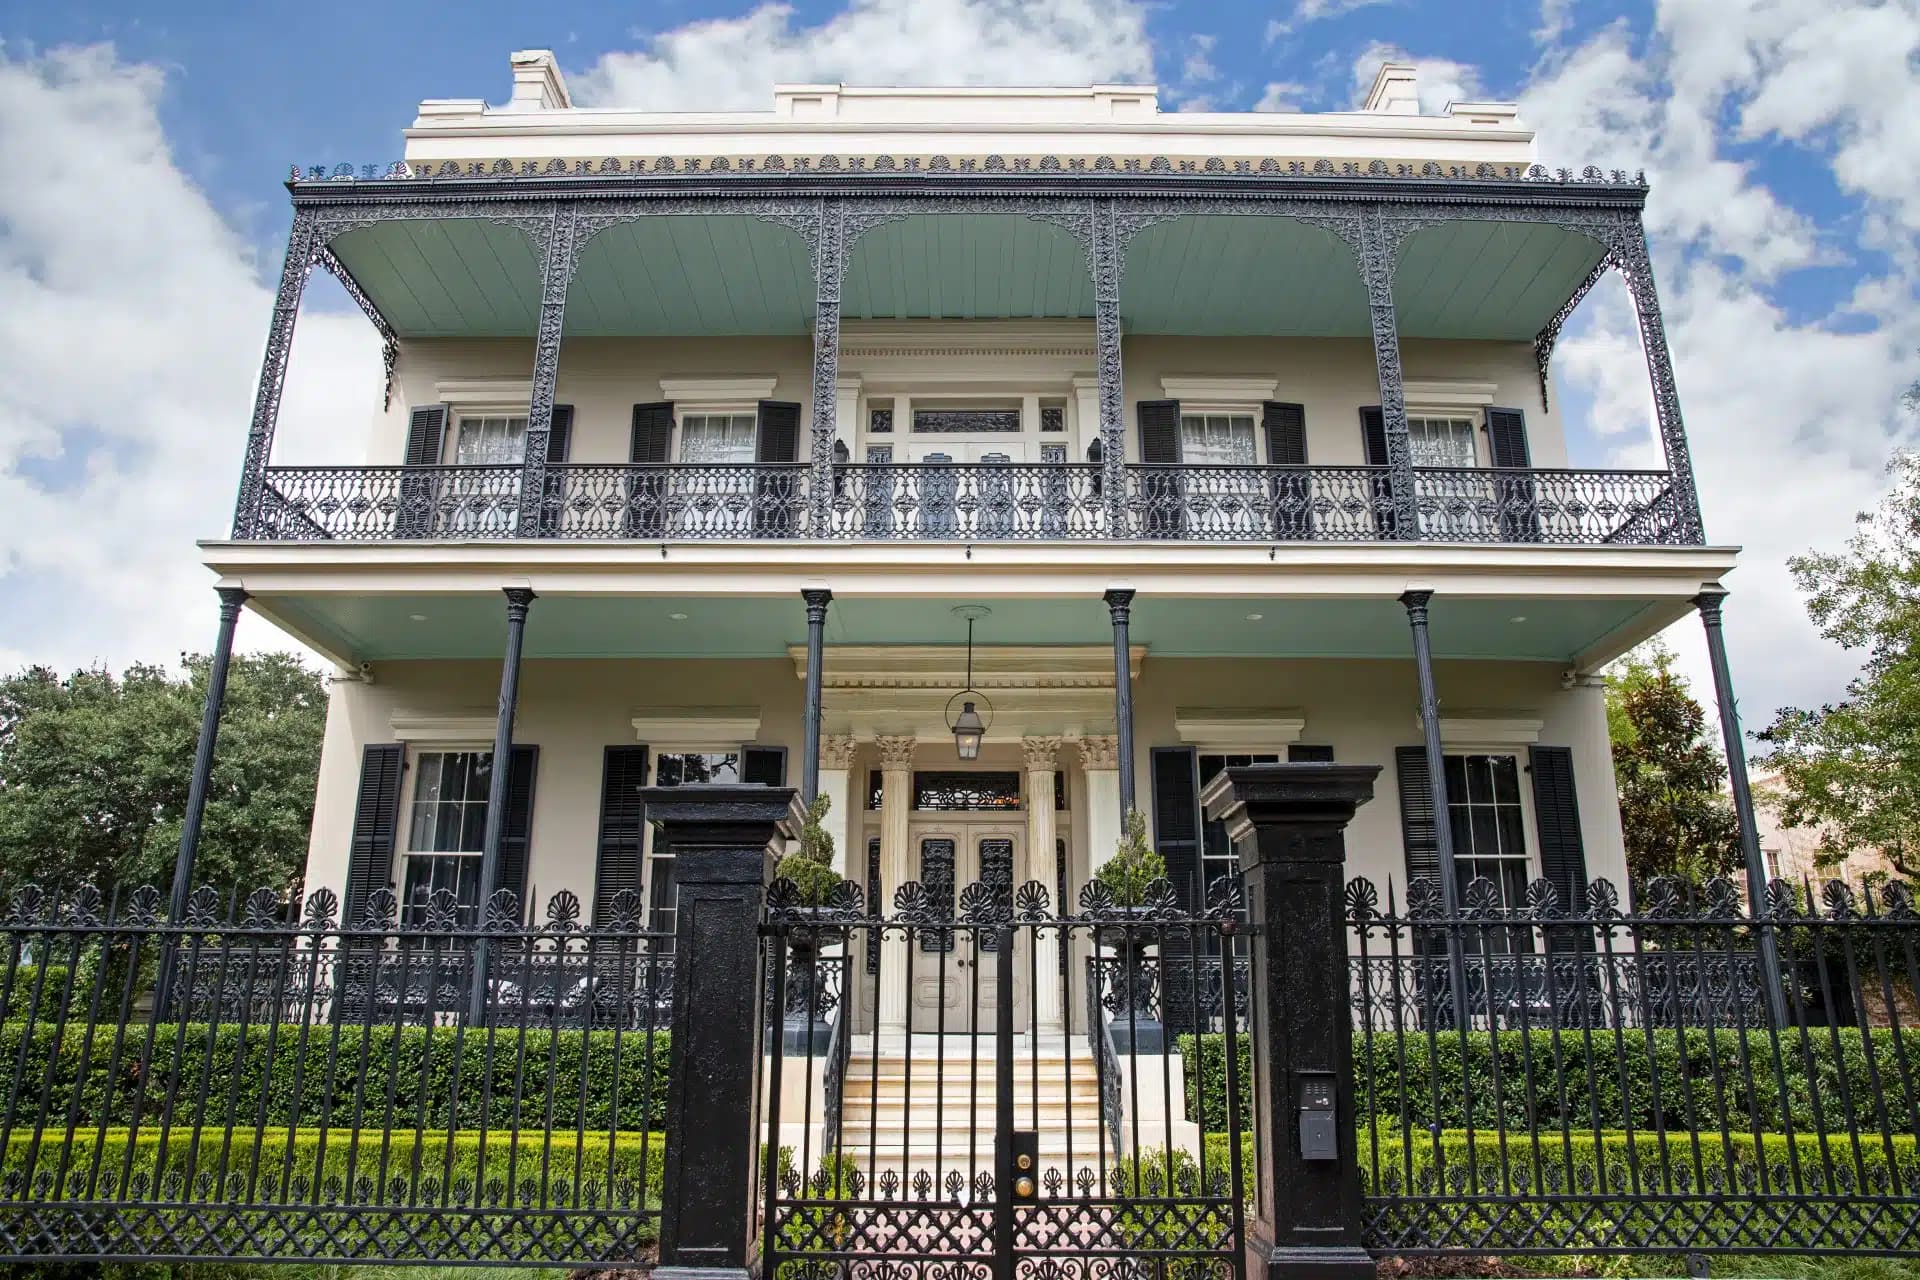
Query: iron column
x=231 y=598
x=1708 y=602
x=817 y=598
x=519 y=601
x=1416 y=603
x=1120 y=607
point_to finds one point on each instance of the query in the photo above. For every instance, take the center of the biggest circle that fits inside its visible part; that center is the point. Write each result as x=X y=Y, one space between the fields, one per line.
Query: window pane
x=1506 y=779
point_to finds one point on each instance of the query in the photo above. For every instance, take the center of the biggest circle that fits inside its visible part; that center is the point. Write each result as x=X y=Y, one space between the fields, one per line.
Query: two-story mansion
x=992 y=461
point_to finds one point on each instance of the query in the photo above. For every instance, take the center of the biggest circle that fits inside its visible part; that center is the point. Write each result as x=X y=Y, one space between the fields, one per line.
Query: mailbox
x=1317 y=1140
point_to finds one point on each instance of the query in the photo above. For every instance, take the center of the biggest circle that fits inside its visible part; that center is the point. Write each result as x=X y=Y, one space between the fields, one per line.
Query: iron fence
x=967 y=502
x=312 y=1088
x=1591 y=1078
x=985 y=1125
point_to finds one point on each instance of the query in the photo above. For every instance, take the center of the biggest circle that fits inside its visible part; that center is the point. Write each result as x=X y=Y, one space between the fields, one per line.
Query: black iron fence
x=966 y=502
x=1606 y=1078
x=313 y=1088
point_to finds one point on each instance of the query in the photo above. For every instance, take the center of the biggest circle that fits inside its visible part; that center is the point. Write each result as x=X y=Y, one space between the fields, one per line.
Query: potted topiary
x=810 y=869
x=1130 y=877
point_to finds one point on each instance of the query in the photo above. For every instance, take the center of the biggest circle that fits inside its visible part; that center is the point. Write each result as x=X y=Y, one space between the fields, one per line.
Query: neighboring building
x=1790 y=853
x=932 y=349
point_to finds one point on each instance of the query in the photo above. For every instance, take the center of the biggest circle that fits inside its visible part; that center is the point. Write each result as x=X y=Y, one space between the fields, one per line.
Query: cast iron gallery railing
x=1687 y=1104
x=909 y=1161
x=262 y=1080
x=969 y=502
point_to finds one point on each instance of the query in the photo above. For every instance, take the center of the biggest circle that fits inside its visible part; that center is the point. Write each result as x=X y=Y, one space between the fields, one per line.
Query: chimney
x=537 y=84
x=1394 y=90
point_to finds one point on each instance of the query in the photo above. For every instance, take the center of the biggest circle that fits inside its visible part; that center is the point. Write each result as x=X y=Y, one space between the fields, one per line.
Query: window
x=446 y=830
x=680 y=769
x=490 y=440
x=1216 y=851
x=717 y=437
x=1441 y=442
x=1217 y=439
x=1489 y=829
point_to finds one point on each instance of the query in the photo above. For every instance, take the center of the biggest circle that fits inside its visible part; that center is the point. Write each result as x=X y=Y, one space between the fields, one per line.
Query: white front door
x=954 y=985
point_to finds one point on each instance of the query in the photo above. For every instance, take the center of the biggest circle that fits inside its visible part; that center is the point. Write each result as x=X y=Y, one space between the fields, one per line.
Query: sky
x=142 y=223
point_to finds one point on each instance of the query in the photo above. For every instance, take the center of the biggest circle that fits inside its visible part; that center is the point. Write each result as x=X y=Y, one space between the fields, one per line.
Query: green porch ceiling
x=712 y=275
x=375 y=628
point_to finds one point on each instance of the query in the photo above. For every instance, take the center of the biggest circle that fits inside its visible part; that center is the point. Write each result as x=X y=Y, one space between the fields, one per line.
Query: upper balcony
x=715 y=343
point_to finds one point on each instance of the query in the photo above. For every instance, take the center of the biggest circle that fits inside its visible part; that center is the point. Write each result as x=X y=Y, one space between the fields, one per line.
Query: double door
x=953 y=983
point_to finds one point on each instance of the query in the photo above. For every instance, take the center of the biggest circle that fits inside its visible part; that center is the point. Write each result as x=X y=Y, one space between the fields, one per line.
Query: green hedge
x=414 y=1077
x=1825 y=1079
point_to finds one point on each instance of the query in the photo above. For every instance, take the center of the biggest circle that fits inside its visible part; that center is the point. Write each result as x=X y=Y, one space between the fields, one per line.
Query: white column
x=896 y=801
x=1100 y=758
x=1086 y=414
x=1042 y=763
x=846 y=410
x=836 y=765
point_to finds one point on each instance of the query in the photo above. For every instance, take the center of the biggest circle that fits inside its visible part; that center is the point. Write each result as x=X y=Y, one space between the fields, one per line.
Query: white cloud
x=131 y=322
x=1441 y=80
x=1790 y=418
x=1281 y=95
x=1311 y=11
x=732 y=63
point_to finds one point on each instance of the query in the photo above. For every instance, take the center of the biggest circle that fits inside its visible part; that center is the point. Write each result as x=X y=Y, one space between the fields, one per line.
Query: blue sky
x=140 y=231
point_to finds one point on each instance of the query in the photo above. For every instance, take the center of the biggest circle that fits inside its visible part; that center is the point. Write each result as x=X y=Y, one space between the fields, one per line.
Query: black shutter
x=1417 y=831
x=376 y=822
x=516 y=831
x=1309 y=753
x=650 y=445
x=1563 y=855
x=553 y=493
x=623 y=828
x=765 y=765
x=1373 y=439
x=1514 y=496
x=1162 y=491
x=776 y=490
x=426 y=434
x=1176 y=821
x=1285 y=426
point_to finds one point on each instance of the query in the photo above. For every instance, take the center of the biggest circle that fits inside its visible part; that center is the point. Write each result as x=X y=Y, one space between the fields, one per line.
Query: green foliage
x=94 y=772
x=408 y=1076
x=1133 y=866
x=1682 y=1080
x=1852 y=768
x=1674 y=812
x=810 y=867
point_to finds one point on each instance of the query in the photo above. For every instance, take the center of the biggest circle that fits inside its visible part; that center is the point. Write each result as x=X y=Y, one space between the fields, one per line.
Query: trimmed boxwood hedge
x=411 y=1077
x=1816 y=1079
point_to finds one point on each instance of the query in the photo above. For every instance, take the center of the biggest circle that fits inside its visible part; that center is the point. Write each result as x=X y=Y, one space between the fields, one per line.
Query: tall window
x=1216 y=851
x=491 y=439
x=1217 y=439
x=1489 y=828
x=717 y=437
x=446 y=829
x=681 y=769
x=1441 y=442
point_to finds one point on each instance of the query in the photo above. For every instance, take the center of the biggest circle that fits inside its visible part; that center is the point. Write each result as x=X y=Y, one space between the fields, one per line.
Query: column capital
x=1100 y=752
x=1416 y=600
x=231 y=598
x=896 y=751
x=1119 y=603
x=519 y=601
x=836 y=751
x=817 y=598
x=1708 y=602
x=1041 y=754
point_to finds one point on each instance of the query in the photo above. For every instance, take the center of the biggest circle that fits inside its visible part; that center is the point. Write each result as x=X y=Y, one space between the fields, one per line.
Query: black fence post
x=1288 y=824
x=725 y=841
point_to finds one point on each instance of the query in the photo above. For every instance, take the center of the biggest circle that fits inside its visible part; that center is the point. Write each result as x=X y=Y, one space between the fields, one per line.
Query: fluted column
x=1042 y=757
x=896 y=803
x=836 y=772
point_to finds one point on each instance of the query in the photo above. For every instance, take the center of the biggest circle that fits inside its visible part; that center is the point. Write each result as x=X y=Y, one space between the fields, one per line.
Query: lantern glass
x=967 y=732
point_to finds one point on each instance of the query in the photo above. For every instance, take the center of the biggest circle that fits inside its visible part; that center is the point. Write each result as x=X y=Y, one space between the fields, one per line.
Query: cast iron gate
x=1065 y=1132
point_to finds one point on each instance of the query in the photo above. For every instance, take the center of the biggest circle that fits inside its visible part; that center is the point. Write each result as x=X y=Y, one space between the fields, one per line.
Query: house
x=768 y=446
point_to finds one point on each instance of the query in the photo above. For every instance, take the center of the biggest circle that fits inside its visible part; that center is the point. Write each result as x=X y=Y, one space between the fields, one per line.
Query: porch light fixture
x=969 y=727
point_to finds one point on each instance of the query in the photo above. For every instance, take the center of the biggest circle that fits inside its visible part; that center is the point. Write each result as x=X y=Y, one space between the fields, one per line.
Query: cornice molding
x=413 y=726
x=1244 y=728
x=718 y=725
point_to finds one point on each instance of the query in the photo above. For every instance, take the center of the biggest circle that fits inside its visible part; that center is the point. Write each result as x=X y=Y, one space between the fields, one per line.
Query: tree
x=1852 y=768
x=94 y=771
x=1674 y=812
